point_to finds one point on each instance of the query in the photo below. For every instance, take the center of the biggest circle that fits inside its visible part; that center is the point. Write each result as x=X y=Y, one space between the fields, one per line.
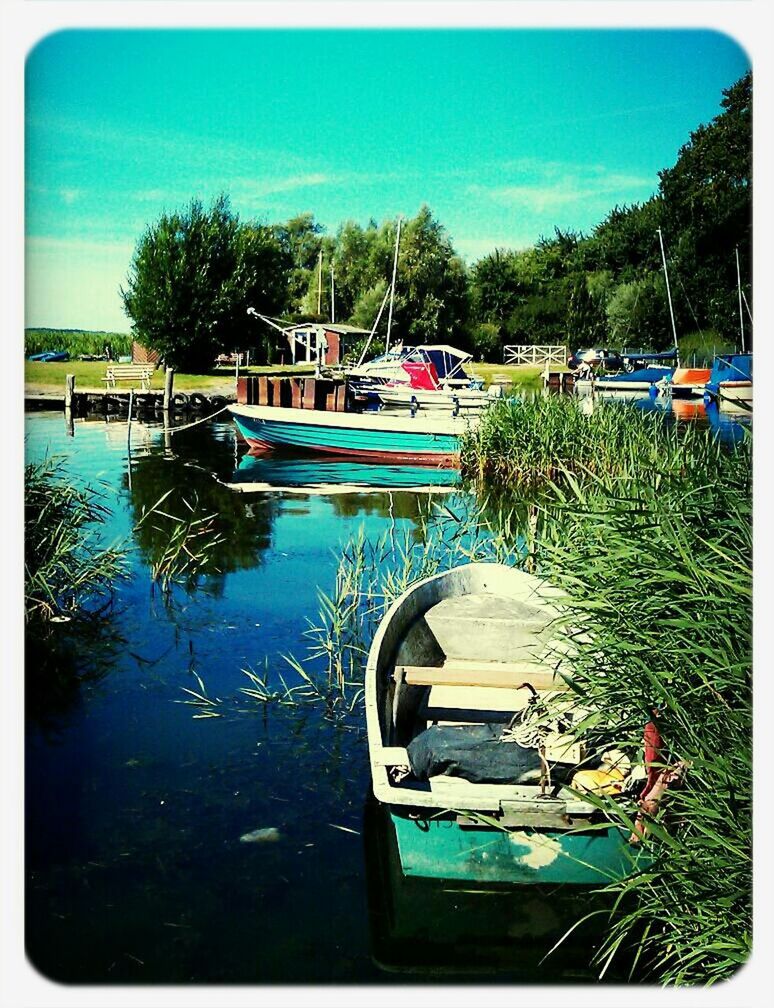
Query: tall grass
x=530 y=443
x=648 y=529
x=66 y=574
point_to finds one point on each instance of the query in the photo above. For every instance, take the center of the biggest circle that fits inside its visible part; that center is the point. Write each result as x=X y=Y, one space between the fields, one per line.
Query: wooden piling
x=69 y=390
x=169 y=380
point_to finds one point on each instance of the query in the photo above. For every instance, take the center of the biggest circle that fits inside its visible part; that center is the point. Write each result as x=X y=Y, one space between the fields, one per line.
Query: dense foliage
x=195 y=272
x=193 y=276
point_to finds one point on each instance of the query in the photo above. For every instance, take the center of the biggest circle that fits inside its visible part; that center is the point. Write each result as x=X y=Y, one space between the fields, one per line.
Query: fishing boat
x=731 y=381
x=50 y=356
x=480 y=781
x=379 y=436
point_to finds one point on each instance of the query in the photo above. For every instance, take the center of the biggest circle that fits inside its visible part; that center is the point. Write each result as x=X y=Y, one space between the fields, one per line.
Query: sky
x=505 y=134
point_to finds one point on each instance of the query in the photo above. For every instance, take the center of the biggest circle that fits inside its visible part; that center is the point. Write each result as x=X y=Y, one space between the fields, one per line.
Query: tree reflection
x=188 y=478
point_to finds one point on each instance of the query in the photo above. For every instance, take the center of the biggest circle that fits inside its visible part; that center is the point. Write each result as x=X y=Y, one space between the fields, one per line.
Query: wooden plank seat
x=487 y=675
x=129 y=372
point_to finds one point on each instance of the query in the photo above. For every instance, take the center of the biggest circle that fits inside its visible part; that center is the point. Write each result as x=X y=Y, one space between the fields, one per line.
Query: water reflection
x=499 y=932
x=246 y=526
x=323 y=472
x=729 y=424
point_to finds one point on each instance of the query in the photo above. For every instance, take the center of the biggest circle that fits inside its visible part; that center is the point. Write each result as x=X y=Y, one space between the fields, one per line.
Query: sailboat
x=730 y=384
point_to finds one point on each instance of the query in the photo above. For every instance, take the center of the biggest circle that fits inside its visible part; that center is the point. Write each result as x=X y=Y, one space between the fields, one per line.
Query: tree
x=193 y=275
x=431 y=302
x=585 y=315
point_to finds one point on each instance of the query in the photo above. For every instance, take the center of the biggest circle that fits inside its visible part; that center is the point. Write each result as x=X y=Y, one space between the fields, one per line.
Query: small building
x=326 y=342
x=142 y=355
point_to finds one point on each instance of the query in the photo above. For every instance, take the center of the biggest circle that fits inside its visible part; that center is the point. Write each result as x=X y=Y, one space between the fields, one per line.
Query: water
x=134 y=807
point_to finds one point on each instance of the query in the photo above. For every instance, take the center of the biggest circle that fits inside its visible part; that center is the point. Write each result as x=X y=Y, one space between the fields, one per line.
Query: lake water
x=135 y=807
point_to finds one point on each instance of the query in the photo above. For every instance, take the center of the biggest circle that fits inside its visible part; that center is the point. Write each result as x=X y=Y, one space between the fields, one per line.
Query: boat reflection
x=333 y=474
x=454 y=928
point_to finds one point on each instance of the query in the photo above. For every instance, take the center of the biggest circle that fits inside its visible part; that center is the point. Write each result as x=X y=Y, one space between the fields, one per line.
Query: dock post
x=129 y=416
x=169 y=379
x=69 y=390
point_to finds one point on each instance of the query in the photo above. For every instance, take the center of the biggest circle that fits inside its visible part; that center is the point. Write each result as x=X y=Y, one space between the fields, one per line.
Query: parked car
x=607 y=360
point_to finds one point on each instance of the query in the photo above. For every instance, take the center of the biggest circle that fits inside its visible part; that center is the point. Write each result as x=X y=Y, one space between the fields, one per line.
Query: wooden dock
x=560 y=381
x=101 y=402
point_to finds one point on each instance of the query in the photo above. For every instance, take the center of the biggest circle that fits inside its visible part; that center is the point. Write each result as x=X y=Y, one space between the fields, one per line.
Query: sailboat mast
x=739 y=291
x=392 y=287
x=319 y=282
x=669 y=292
x=333 y=296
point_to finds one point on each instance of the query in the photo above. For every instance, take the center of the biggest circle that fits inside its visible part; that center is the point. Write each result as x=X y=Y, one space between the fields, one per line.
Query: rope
x=176 y=430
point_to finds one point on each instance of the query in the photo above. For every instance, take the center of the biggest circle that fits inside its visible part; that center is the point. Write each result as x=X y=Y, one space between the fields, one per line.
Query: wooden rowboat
x=456 y=657
x=380 y=437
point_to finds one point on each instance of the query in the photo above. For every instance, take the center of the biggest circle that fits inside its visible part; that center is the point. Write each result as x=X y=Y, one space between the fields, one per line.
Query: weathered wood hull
x=447 y=827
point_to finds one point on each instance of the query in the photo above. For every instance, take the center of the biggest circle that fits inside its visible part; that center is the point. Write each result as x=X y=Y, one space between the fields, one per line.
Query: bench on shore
x=129 y=372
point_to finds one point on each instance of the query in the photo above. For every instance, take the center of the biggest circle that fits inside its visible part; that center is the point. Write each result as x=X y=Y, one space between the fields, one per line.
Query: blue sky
x=504 y=133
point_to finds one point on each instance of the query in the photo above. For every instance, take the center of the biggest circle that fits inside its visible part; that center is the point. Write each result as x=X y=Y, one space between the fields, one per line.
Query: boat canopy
x=447 y=360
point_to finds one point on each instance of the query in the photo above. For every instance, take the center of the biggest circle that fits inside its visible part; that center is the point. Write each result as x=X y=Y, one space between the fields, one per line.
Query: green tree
x=431 y=299
x=586 y=322
x=193 y=275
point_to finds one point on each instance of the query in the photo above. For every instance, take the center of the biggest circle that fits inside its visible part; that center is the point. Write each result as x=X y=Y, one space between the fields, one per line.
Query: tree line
x=195 y=271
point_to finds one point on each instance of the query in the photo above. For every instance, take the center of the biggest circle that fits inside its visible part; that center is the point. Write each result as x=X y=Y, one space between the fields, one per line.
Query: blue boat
x=379 y=437
x=317 y=472
x=731 y=381
x=455 y=675
x=643 y=380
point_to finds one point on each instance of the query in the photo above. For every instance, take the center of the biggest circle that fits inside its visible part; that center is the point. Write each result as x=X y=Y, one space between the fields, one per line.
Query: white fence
x=546 y=354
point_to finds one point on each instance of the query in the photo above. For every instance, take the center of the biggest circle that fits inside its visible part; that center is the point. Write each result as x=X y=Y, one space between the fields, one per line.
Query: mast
x=319 y=282
x=739 y=292
x=392 y=287
x=333 y=296
x=669 y=292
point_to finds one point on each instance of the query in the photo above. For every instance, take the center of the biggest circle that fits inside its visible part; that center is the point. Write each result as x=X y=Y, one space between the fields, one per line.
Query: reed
x=188 y=543
x=66 y=574
x=533 y=443
x=648 y=529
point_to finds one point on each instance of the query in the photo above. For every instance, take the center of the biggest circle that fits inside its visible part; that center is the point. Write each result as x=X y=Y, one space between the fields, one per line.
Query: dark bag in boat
x=474 y=753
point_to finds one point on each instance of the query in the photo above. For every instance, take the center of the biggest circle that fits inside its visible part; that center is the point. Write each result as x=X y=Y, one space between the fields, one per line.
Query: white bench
x=129 y=372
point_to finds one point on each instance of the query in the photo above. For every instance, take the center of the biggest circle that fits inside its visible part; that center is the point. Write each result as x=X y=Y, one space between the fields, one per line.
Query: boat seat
x=486 y=675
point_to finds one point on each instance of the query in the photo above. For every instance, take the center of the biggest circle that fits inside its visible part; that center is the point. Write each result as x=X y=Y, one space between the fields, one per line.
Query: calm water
x=135 y=807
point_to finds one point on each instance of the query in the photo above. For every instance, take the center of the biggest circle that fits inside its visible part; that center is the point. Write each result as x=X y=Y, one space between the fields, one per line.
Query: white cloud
x=544 y=187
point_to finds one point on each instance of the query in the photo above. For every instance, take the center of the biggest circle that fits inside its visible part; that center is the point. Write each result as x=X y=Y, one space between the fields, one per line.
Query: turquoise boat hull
x=366 y=436
x=443 y=849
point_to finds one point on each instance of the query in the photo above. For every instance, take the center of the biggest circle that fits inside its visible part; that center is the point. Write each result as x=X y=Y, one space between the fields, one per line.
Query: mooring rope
x=194 y=423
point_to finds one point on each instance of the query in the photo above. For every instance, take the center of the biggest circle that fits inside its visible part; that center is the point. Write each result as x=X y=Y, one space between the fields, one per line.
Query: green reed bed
x=65 y=573
x=660 y=583
x=648 y=528
x=532 y=442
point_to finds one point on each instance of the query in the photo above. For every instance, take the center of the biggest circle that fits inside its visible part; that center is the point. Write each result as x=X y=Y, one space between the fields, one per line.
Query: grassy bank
x=89 y=375
x=520 y=376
